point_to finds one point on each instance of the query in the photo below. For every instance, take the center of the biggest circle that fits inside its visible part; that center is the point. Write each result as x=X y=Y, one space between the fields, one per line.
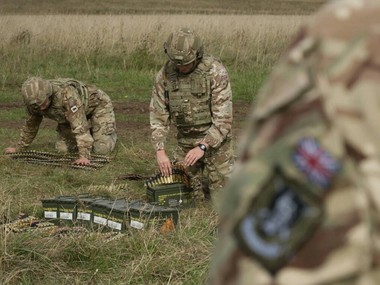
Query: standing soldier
x=303 y=206
x=85 y=117
x=193 y=91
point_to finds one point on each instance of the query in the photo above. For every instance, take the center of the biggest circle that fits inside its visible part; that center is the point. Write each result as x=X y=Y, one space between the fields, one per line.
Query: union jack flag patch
x=315 y=162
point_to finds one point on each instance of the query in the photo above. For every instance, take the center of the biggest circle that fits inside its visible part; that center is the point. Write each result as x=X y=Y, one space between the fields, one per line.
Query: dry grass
x=242 y=37
x=164 y=6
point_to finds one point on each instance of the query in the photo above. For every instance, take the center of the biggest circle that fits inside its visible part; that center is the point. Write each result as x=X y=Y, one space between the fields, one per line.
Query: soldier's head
x=36 y=93
x=184 y=48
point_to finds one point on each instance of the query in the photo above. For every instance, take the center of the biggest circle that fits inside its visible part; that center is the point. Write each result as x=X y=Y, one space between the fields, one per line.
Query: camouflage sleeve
x=221 y=106
x=159 y=113
x=75 y=115
x=29 y=131
x=312 y=132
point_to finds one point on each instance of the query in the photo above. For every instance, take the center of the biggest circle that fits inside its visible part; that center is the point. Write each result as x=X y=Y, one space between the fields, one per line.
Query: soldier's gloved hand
x=82 y=161
x=163 y=162
x=10 y=150
x=193 y=155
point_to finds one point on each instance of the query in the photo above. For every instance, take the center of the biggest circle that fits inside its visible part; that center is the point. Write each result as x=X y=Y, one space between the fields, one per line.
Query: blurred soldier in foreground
x=86 y=121
x=302 y=207
x=193 y=91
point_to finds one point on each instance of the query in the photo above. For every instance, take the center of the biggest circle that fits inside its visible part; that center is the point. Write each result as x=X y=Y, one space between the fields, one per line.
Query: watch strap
x=202 y=146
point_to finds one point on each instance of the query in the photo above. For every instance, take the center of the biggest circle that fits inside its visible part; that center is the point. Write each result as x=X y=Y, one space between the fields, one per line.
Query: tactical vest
x=79 y=86
x=189 y=97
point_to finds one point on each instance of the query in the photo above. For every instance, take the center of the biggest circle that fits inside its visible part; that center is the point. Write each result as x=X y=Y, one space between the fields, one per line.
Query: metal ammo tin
x=109 y=214
x=142 y=215
x=50 y=208
x=84 y=210
x=67 y=208
x=170 y=195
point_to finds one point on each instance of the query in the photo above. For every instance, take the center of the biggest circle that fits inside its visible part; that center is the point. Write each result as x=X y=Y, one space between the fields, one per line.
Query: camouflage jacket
x=220 y=106
x=69 y=105
x=303 y=204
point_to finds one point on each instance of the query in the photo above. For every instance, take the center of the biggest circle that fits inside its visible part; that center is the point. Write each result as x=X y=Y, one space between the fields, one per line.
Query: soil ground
x=139 y=128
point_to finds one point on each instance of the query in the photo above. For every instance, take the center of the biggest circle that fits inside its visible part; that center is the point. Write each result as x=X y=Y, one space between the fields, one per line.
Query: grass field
x=120 y=54
x=278 y=7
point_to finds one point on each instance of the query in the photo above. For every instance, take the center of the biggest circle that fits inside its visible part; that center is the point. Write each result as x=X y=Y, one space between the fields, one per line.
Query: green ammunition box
x=100 y=213
x=67 y=206
x=50 y=208
x=170 y=195
x=110 y=214
x=84 y=210
x=118 y=218
x=143 y=215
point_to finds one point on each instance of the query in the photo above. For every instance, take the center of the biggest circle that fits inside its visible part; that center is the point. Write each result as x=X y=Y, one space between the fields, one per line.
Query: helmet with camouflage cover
x=36 y=90
x=183 y=47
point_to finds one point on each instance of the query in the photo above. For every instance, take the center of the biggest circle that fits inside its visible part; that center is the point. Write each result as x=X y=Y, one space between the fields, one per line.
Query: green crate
x=84 y=211
x=50 y=208
x=143 y=215
x=171 y=195
x=67 y=206
x=118 y=217
x=110 y=214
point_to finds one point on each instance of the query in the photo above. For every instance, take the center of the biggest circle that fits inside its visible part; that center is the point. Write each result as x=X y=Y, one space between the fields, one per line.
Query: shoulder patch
x=315 y=163
x=74 y=109
x=280 y=219
x=70 y=99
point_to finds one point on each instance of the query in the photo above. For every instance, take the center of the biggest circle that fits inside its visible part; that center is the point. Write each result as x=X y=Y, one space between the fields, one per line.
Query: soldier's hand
x=10 y=150
x=82 y=161
x=163 y=162
x=193 y=156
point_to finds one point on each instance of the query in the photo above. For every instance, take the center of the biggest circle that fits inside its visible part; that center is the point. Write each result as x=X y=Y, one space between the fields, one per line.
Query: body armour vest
x=56 y=112
x=79 y=86
x=189 y=96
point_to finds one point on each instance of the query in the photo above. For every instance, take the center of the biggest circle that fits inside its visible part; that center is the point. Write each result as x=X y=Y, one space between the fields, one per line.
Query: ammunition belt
x=30 y=223
x=23 y=224
x=56 y=159
x=108 y=188
x=132 y=176
x=178 y=175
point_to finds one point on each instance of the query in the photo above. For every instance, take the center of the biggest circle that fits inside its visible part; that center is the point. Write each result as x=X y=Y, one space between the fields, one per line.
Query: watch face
x=203 y=147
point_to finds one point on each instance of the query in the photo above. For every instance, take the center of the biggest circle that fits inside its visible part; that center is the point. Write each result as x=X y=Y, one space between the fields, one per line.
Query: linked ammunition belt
x=56 y=159
x=27 y=223
x=108 y=188
x=31 y=223
x=132 y=176
x=178 y=175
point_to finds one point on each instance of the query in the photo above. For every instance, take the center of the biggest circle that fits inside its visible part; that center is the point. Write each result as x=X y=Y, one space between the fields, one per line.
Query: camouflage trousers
x=102 y=128
x=209 y=174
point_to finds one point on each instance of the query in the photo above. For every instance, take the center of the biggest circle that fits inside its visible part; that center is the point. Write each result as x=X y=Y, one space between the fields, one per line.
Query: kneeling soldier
x=85 y=116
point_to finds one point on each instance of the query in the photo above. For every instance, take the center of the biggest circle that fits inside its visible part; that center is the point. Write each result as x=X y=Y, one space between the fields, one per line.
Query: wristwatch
x=202 y=147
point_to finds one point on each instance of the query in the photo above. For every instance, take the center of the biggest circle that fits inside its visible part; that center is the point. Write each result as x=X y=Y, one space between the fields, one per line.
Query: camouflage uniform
x=199 y=104
x=302 y=207
x=85 y=117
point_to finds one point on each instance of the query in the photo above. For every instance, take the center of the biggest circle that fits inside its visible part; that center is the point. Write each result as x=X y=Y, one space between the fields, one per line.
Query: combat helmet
x=183 y=47
x=35 y=91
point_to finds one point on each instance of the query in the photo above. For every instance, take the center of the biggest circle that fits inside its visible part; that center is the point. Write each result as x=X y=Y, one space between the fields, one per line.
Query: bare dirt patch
x=137 y=127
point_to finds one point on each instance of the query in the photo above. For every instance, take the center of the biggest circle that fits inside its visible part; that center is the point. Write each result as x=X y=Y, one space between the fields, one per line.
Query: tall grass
x=122 y=52
x=292 y=7
x=240 y=38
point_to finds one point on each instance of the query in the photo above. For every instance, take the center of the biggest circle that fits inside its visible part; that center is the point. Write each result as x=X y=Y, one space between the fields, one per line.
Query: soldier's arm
x=29 y=131
x=76 y=116
x=159 y=113
x=221 y=107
